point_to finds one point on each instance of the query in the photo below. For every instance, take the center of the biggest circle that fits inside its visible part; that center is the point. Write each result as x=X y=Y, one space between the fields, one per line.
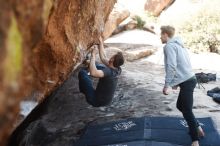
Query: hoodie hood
x=176 y=40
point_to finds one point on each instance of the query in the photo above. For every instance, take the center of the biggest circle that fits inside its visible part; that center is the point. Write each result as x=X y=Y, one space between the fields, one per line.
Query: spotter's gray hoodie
x=177 y=63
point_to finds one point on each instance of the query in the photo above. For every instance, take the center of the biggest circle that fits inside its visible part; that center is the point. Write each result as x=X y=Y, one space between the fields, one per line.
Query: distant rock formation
x=155 y=7
x=118 y=15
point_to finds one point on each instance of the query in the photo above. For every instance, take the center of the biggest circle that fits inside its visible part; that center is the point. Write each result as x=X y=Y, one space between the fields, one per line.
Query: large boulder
x=20 y=30
x=55 y=36
x=72 y=28
x=118 y=15
x=155 y=7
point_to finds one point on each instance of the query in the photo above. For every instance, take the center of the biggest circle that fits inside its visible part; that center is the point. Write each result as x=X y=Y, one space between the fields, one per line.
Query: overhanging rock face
x=73 y=26
x=20 y=30
x=51 y=46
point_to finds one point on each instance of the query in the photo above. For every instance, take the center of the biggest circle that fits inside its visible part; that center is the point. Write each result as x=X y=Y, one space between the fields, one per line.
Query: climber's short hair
x=118 y=59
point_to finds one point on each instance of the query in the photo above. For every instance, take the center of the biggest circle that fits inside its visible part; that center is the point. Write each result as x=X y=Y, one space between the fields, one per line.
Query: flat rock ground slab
x=138 y=94
x=135 y=36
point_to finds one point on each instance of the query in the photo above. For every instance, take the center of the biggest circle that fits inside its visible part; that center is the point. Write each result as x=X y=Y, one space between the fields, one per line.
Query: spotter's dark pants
x=185 y=105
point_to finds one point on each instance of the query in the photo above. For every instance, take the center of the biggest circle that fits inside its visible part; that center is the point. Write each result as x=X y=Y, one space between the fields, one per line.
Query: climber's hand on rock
x=94 y=50
x=100 y=40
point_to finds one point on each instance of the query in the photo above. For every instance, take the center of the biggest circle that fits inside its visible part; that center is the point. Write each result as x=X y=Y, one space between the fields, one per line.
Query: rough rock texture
x=54 y=41
x=155 y=7
x=129 y=26
x=5 y=13
x=118 y=15
x=6 y=103
x=139 y=53
x=27 y=15
x=72 y=28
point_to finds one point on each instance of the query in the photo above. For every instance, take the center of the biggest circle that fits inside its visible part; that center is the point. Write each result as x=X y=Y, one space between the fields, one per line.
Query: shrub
x=201 y=33
x=140 y=22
